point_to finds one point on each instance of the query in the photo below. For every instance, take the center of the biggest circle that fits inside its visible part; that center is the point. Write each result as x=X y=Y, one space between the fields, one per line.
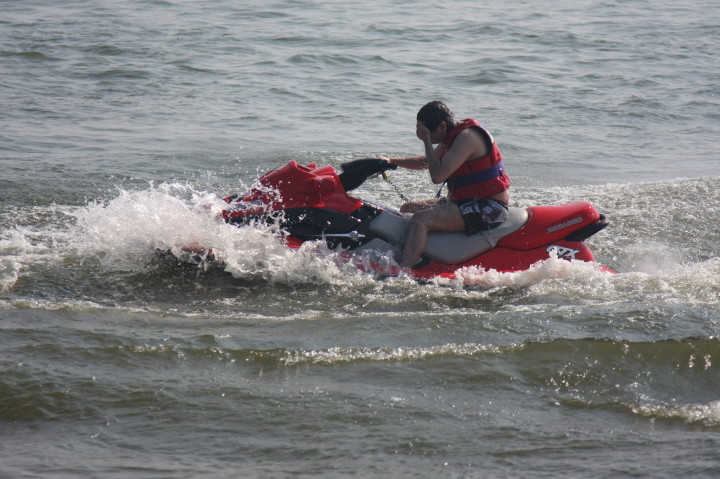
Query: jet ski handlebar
x=356 y=172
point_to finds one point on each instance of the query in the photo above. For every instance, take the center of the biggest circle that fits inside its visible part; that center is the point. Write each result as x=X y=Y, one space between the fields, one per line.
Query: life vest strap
x=494 y=171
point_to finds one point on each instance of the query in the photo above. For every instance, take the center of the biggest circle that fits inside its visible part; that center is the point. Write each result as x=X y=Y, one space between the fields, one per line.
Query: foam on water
x=125 y=231
x=29 y=243
x=707 y=414
x=9 y=273
x=123 y=234
x=551 y=268
x=10 y=268
x=344 y=355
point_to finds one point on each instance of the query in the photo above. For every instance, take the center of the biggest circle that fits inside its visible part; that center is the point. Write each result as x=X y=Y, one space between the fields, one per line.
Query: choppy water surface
x=124 y=124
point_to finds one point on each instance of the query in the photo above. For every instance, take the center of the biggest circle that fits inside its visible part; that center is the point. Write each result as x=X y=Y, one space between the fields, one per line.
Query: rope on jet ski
x=395 y=187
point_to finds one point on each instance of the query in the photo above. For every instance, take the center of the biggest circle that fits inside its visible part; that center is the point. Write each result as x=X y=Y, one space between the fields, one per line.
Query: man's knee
x=421 y=217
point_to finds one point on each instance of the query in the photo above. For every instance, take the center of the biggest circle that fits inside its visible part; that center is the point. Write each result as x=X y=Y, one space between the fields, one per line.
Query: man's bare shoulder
x=471 y=140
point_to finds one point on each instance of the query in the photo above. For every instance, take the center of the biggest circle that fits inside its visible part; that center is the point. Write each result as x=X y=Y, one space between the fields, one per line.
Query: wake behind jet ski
x=311 y=203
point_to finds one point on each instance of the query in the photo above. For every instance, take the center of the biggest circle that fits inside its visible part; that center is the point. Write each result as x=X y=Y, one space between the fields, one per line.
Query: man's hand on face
x=423 y=133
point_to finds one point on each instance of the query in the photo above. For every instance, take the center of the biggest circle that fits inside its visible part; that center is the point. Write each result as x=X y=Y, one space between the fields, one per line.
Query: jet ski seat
x=447 y=247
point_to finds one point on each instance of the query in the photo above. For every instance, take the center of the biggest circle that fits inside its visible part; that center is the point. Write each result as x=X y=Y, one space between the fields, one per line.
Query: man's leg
x=445 y=217
x=415 y=206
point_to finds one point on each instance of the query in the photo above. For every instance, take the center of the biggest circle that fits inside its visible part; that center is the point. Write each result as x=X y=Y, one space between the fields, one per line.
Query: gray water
x=120 y=124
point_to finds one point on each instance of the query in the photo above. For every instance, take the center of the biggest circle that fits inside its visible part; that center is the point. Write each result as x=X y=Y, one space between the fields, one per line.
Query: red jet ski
x=310 y=203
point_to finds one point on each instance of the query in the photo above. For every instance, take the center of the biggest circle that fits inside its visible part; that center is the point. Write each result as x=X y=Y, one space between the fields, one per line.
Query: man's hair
x=434 y=113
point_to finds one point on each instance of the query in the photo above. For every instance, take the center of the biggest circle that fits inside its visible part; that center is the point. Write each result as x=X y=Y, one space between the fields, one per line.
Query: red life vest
x=480 y=177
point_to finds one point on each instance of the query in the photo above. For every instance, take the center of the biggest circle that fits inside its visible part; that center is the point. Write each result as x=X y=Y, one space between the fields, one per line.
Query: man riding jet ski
x=472 y=227
x=469 y=161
